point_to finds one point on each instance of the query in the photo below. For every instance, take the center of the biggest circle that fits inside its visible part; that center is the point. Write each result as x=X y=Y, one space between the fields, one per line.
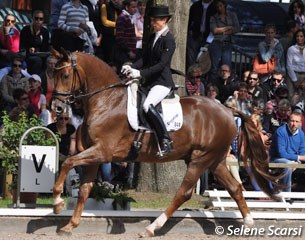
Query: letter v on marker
x=38 y=167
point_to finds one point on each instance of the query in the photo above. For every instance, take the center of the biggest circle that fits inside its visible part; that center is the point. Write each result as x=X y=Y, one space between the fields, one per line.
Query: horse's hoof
x=58 y=207
x=64 y=232
x=248 y=220
x=149 y=232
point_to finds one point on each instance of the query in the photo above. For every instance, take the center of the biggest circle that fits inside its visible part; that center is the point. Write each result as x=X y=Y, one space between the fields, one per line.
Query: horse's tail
x=251 y=147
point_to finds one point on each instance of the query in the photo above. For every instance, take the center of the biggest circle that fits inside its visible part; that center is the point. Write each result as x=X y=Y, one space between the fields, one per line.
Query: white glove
x=134 y=73
x=125 y=69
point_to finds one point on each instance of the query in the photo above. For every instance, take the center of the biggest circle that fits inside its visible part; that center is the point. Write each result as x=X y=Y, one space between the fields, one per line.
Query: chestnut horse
x=203 y=141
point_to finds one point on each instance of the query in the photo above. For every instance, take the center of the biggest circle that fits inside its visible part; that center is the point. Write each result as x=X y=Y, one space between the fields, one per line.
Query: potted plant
x=10 y=136
x=105 y=196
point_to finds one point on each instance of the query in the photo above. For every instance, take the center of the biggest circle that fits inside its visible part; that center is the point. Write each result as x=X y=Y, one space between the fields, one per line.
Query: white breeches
x=155 y=95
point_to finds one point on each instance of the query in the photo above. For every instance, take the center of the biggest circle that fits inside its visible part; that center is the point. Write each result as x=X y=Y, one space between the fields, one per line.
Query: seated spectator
x=296 y=62
x=123 y=174
x=36 y=97
x=9 y=40
x=67 y=134
x=254 y=90
x=193 y=83
x=14 y=79
x=281 y=92
x=271 y=84
x=73 y=21
x=278 y=117
x=243 y=99
x=4 y=71
x=225 y=82
x=47 y=79
x=34 y=38
x=212 y=92
x=288 y=146
x=23 y=104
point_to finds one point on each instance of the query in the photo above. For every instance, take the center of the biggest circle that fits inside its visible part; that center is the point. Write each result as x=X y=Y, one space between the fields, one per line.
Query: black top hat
x=159 y=11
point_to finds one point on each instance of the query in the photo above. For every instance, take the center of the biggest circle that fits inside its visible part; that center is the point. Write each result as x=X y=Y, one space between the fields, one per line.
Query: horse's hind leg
x=183 y=194
x=90 y=173
x=235 y=190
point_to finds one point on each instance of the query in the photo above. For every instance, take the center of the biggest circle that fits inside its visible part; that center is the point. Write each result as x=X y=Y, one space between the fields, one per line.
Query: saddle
x=169 y=108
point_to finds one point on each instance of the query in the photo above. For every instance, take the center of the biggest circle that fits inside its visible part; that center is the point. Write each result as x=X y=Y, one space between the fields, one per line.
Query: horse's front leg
x=58 y=202
x=89 y=174
x=84 y=158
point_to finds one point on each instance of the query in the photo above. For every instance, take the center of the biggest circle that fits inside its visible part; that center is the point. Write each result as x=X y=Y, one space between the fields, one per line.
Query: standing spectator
x=288 y=39
x=73 y=21
x=56 y=33
x=198 y=28
x=111 y=10
x=125 y=39
x=9 y=39
x=193 y=83
x=226 y=84
x=47 y=79
x=94 y=10
x=254 y=90
x=36 y=97
x=224 y=25
x=296 y=13
x=35 y=38
x=296 y=62
x=272 y=47
x=14 y=79
x=288 y=146
x=138 y=19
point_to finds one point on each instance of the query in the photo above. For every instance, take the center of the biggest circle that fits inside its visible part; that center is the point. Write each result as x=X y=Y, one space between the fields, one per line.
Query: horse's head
x=68 y=77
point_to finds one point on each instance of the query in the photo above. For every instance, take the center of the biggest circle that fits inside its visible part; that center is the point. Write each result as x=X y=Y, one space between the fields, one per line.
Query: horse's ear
x=65 y=54
x=55 y=53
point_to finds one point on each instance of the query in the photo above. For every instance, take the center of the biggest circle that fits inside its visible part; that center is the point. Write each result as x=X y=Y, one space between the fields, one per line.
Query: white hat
x=35 y=77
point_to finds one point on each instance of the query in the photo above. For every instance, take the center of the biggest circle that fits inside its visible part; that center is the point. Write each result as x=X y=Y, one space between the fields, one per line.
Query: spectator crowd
x=271 y=91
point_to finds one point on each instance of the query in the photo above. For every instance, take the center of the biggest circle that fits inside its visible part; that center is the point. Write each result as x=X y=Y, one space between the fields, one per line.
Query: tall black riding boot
x=156 y=122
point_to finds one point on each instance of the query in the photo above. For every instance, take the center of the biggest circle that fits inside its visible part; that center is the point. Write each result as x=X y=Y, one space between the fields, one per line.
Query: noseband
x=73 y=95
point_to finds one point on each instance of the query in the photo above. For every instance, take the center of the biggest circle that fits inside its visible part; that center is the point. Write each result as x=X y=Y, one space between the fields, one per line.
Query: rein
x=71 y=96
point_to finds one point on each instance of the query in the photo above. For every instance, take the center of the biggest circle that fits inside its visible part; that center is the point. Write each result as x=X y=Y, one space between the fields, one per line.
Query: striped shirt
x=125 y=33
x=71 y=16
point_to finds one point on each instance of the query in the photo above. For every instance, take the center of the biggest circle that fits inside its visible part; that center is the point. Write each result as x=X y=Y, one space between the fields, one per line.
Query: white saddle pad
x=171 y=108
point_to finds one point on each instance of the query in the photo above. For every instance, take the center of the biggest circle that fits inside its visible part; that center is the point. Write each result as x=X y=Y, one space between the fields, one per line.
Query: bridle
x=73 y=95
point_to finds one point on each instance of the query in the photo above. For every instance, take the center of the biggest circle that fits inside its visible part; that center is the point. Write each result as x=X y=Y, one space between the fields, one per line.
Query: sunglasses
x=195 y=77
x=10 y=21
x=64 y=118
x=253 y=78
x=283 y=97
x=38 y=18
x=276 y=80
x=17 y=65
